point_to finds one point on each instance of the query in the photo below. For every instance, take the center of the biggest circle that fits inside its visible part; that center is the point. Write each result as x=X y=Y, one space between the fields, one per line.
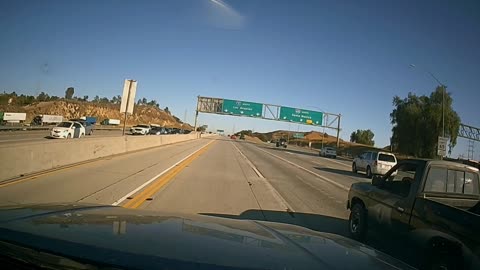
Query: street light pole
x=443 y=86
x=323 y=133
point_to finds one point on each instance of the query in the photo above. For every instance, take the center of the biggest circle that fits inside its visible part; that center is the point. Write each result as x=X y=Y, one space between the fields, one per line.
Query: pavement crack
x=251 y=189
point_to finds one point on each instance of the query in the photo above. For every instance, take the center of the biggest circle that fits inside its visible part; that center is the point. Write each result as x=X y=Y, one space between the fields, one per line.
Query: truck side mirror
x=377 y=180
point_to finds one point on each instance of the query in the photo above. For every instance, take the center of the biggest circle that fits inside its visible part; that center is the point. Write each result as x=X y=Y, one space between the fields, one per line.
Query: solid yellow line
x=162 y=180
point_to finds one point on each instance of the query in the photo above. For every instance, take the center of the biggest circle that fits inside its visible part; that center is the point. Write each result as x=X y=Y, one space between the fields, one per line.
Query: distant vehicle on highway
x=44 y=119
x=67 y=130
x=328 y=152
x=140 y=130
x=157 y=131
x=374 y=163
x=281 y=143
x=87 y=125
x=111 y=122
x=233 y=137
x=90 y=119
x=431 y=206
x=8 y=117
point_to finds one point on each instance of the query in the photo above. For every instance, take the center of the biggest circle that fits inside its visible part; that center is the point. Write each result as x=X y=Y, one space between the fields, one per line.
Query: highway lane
x=226 y=178
x=103 y=181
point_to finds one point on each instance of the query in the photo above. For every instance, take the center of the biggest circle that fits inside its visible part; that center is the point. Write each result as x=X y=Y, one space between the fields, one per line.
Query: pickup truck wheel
x=354 y=168
x=437 y=261
x=369 y=172
x=357 y=222
x=91 y=132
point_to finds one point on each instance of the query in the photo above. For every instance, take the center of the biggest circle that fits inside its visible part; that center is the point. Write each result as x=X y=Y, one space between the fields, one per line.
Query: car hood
x=61 y=129
x=142 y=239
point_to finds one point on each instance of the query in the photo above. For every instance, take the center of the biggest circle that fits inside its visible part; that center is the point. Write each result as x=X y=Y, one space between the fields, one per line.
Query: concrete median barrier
x=18 y=159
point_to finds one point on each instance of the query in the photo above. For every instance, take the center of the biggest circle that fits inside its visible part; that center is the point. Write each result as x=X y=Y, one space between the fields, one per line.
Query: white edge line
x=274 y=192
x=307 y=170
x=119 y=201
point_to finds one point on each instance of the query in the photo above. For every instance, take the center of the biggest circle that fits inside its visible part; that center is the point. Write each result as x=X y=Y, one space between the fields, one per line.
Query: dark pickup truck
x=432 y=206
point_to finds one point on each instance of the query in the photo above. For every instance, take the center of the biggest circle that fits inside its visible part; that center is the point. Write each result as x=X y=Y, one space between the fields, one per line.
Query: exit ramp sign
x=301 y=116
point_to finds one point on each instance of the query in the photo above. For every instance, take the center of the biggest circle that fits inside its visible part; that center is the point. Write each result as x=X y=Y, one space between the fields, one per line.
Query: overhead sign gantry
x=268 y=112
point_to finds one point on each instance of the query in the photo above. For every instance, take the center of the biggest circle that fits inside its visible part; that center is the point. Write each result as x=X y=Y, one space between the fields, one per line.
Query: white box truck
x=113 y=122
x=45 y=119
x=9 y=117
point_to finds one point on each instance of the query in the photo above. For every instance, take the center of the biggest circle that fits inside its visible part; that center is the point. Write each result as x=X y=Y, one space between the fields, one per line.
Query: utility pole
x=338 y=131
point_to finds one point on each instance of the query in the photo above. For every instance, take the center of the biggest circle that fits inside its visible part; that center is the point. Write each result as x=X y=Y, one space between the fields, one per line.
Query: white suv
x=374 y=163
x=140 y=129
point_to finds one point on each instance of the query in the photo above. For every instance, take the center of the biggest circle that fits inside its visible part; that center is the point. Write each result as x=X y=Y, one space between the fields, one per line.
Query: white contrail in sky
x=221 y=3
x=225 y=16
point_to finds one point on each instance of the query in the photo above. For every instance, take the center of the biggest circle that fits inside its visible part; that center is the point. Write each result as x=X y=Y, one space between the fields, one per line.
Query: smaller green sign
x=298 y=135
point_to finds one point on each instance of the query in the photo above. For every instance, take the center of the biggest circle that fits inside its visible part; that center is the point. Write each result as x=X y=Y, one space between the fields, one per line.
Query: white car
x=140 y=129
x=67 y=130
x=374 y=163
x=328 y=152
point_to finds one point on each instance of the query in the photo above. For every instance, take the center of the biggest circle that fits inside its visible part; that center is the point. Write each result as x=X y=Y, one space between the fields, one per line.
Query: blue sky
x=347 y=57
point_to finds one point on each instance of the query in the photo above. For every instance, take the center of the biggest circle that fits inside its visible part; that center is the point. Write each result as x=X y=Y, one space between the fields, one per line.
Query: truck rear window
x=452 y=181
x=387 y=158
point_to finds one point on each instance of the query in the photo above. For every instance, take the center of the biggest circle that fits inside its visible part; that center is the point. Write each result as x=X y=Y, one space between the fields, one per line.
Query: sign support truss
x=267 y=112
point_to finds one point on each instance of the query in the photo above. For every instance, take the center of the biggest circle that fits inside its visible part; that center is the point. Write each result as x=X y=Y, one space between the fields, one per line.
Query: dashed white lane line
x=309 y=171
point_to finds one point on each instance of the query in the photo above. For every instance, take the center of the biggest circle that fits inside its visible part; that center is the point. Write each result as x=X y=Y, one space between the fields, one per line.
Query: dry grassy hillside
x=142 y=114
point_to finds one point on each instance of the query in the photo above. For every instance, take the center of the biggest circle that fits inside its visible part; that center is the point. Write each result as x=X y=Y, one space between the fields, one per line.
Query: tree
x=144 y=101
x=139 y=102
x=85 y=98
x=104 y=100
x=167 y=110
x=417 y=123
x=114 y=100
x=96 y=99
x=69 y=92
x=363 y=137
x=42 y=97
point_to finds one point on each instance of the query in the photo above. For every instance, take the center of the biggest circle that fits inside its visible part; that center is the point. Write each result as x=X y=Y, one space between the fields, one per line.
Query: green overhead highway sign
x=298 y=136
x=301 y=116
x=238 y=107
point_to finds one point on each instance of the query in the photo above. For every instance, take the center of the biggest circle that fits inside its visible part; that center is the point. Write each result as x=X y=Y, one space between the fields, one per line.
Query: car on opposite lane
x=68 y=129
x=140 y=130
x=157 y=131
x=374 y=163
x=87 y=125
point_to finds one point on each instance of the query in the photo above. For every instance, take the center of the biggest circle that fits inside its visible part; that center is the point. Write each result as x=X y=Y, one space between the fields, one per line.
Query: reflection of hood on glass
x=143 y=239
